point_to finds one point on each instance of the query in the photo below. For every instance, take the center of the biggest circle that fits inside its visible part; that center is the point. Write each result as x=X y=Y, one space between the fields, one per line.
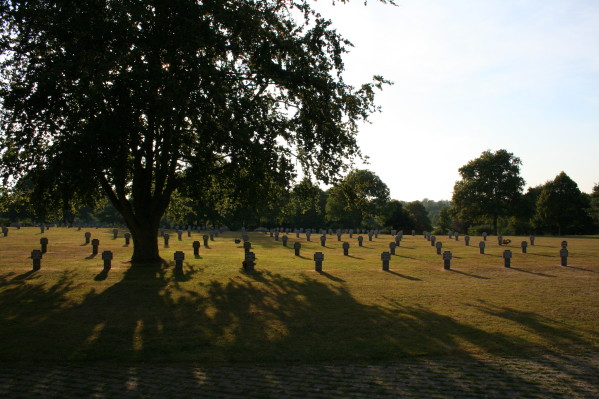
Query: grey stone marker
x=500 y=240
x=457 y=236
x=397 y=240
x=338 y=236
x=323 y=240
x=276 y=236
x=88 y=236
x=284 y=239
x=211 y=236
x=95 y=245
x=188 y=233
x=447 y=260
x=485 y=236
x=507 y=257
x=166 y=238
x=205 y=238
x=42 y=229
x=127 y=238
x=439 y=246
x=360 y=240
x=107 y=258
x=247 y=246
x=196 y=248
x=36 y=256
x=318 y=259
x=564 y=244
x=249 y=262
x=308 y=235
x=386 y=257
x=393 y=232
x=179 y=256
x=370 y=236
x=433 y=239
x=44 y=244
x=392 y=246
x=4 y=231
x=532 y=240
x=467 y=240
x=523 y=245
x=345 y=248
x=481 y=247
x=180 y=235
x=413 y=233
x=563 y=254
x=115 y=233
x=297 y=234
x=297 y=246
x=450 y=234
x=271 y=233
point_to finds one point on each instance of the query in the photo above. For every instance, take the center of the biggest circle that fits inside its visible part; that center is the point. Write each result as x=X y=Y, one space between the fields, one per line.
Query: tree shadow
x=331 y=277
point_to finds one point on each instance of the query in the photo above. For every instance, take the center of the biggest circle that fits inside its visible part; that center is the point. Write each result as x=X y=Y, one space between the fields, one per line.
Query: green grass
x=285 y=311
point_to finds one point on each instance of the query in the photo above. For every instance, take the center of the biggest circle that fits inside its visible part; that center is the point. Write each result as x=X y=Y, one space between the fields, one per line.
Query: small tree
x=490 y=187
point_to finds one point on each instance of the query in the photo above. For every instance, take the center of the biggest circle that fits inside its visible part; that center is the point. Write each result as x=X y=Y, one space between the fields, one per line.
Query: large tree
x=139 y=98
x=490 y=187
x=562 y=208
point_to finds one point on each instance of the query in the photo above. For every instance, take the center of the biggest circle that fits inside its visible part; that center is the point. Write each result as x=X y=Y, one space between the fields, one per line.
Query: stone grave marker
x=360 y=240
x=308 y=235
x=196 y=248
x=392 y=246
x=393 y=232
x=523 y=245
x=179 y=256
x=433 y=239
x=318 y=259
x=345 y=248
x=166 y=238
x=296 y=247
x=107 y=258
x=450 y=234
x=323 y=240
x=439 y=246
x=249 y=262
x=532 y=240
x=276 y=236
x=507 y=258
x=457 y=236
x=127 y=238
x=247 y=246
x=36 y=256
x=565 y=244
x=180 y=235
x=386 y=257
x=189 y=232
x=563 y=254
x=87 y=236
x=115 y=233
x=370 y=236
x=5 y=231
x=284 y=239
x=413 y=233
x=485 y=235
x=205 y=238
x=467 y=240
x=447 y=260
x=500 y=240
x=95 y=245
x=338 y=236
x=44 y=244
x=397 y=240
x=211 y=236
x=481 y=247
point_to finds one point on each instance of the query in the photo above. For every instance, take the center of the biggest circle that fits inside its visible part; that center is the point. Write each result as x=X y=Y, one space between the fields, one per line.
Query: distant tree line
x=489 y=197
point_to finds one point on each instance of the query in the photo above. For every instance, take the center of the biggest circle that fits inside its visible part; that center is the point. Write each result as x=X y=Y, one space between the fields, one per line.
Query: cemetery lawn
x=285 y=312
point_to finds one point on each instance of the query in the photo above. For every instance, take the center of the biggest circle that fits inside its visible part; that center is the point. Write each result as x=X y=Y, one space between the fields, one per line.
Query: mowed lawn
x=285 y=311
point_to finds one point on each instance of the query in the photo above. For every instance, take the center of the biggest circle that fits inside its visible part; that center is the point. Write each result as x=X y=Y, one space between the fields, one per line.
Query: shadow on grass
x=529 y=272
x=581 y=268
x=402 y=275
x=470 y=275
x=152 y=315
x=331 y=277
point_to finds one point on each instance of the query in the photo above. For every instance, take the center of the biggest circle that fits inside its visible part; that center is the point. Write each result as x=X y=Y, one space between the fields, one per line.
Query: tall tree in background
x=357 y=199
x=490 y=187
x=594 y=205
x=141 y=98
x=562 y=208
x=419 y=215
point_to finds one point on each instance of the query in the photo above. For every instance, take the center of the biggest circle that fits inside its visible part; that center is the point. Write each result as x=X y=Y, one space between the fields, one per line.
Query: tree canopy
x=138 y=99
x=490 y=187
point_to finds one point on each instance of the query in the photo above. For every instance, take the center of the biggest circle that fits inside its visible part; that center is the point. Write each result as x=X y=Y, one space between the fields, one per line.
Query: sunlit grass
x=285 y=311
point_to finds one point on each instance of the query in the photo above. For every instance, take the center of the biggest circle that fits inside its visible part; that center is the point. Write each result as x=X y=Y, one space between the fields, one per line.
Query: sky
x=471 y=76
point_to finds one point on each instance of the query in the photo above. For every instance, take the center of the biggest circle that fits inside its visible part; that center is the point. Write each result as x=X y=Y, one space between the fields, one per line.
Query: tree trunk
x=145 y=244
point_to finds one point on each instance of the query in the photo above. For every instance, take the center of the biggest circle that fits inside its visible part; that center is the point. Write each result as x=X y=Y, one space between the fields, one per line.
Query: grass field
x=285 y=311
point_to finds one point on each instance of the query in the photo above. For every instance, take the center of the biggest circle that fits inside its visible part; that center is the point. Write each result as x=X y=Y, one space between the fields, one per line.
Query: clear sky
x=476 y=75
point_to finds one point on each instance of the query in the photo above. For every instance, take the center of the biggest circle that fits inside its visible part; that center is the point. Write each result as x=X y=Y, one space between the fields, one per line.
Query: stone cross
x=563 y=254
x=88 y=236
x=500 y=240
x=450 y=234
x=107 y=258
x=523 y=245
x=196 y=248
x=392 y=246
x=180 y=235
x=360 y=240
x=308 y=235
x=345 y=248
x=481 y=247
x=397 y=240
x=338 y=236
x=323 y=240
x=115 y=233
x=179 y=256
x=42 y=229
x=386 y=257
x=439 y=245
x=211 y=236
x=127 y=238
x=36 y=256
x=467 y=240
x=447 y=260
x=457 y=236
x=532 y=240
x=5 y=230
x=95 y=245
x=205 y=238
x=44 y=244
x=507 y=257
x=485 y=236
x=370 y=236
x=284 y=239
x=297 y=246
x=433 y=239
x=565 y=244
x=247 y=246
x=318 y=259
